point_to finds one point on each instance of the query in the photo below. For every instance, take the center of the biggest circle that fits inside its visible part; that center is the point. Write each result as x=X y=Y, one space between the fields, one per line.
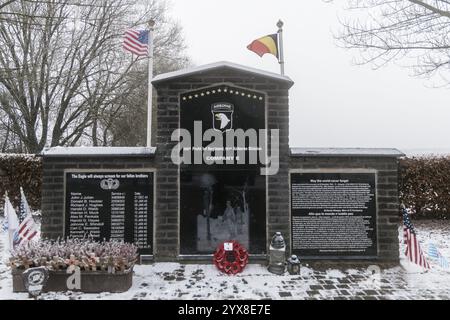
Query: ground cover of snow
x=196 y=281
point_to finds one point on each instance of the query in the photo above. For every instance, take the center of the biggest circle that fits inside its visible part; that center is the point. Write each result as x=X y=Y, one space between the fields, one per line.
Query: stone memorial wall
x=107 y=195
x=355 y=208
x=332 y=204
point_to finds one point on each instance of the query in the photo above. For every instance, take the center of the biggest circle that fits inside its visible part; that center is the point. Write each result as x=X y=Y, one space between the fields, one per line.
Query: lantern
x=293 y=265
x=277 y=254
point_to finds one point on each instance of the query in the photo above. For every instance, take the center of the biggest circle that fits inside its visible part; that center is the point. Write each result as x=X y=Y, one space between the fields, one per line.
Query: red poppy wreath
x=231 y=257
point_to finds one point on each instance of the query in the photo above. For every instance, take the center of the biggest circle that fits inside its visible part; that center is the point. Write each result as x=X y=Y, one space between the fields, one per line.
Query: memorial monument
x=221 y=169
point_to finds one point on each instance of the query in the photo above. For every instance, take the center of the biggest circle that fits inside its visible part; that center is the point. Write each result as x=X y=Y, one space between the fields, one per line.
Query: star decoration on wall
x=230 y=91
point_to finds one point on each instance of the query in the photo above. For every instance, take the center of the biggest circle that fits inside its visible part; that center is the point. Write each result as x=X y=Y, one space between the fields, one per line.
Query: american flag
x=27 y=229
x=136 y=41
x=26 y=232
x=413 y=251
x=434 y=253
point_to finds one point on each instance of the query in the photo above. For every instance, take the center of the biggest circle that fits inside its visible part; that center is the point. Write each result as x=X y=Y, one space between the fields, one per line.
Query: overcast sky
x=333 y=102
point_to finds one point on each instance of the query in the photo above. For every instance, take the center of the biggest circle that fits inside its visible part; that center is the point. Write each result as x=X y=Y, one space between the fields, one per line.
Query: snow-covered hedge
x=21 y=170
x=87 y=254
x=425 y=186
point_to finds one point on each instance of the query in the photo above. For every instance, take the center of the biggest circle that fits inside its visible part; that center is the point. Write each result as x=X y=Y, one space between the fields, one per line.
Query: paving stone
x=342 y=286
x=386 y=292
x=285 y=294
x=343 y=280
x=313 y=293
x=329 y=287
x=355 y=298
x=370 y=292
x=316 y=287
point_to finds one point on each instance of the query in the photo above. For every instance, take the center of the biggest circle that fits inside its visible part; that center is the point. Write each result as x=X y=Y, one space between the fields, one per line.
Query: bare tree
x=414 y=33
x=9 y=141
x=4 y=4
x=62 y=67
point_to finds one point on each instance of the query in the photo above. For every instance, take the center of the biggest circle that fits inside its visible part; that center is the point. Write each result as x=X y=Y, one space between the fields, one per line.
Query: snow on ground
x=194 y=281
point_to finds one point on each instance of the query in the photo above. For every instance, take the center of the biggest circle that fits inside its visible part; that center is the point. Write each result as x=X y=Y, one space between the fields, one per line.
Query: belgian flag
x=267 y=44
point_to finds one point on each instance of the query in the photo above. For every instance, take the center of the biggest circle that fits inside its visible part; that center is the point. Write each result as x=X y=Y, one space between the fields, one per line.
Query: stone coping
x=151 y=151
x=217 y=65
x=346 y=152
x=58 y=152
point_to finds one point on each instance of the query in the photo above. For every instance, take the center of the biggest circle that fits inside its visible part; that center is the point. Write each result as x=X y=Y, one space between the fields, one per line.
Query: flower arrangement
x=88 y=255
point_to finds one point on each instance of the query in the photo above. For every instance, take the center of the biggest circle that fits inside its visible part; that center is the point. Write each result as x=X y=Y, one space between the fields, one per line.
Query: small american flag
x=27 y=229
x=26 y=232
x=136 y=41
x=434 y=253
x=413 y=251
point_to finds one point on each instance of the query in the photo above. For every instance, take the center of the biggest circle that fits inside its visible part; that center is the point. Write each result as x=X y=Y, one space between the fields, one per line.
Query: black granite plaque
x=222 y=193
x=333 y=215
x=110 y=205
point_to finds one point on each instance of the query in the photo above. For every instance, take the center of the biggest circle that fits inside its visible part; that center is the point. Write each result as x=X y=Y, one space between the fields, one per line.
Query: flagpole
x=150 y=87
x=280 y=45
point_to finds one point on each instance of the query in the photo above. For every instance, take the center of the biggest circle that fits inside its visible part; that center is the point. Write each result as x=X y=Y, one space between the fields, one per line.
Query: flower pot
x=91 y=281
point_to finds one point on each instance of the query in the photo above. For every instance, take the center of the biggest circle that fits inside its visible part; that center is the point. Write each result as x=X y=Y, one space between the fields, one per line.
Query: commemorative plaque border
x=337 y=170
x=144 y=257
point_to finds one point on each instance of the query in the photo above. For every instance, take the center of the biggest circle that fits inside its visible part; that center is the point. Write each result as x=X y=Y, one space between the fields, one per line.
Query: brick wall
x=387 y=194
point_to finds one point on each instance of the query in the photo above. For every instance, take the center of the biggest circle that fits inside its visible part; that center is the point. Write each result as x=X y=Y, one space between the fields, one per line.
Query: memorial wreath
x=231 y=257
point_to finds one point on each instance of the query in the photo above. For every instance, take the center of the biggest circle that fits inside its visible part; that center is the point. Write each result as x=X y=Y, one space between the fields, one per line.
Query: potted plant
x=102 y=266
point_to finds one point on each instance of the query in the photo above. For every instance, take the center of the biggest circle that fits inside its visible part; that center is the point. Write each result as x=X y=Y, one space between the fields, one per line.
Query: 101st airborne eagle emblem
x=222 y=113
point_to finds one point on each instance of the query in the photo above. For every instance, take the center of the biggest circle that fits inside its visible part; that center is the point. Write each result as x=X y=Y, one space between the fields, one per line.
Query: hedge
x=21 y=170
x=425 y=186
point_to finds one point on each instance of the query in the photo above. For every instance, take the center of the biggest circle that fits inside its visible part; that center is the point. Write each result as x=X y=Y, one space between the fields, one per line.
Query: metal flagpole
x=150 y=87
x=280 y=46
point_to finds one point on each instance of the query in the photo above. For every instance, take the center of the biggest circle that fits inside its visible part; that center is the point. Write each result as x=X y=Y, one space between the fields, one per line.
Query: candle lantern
x=277 y=254
x=293 y=265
